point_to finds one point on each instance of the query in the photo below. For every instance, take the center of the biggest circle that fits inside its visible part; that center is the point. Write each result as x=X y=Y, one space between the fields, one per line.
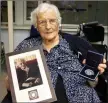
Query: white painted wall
x=19 y=35
x=4 y=38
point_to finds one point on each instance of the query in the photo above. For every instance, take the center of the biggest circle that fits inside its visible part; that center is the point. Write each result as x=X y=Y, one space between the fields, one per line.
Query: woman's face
x=21 y=65
x=47 y=25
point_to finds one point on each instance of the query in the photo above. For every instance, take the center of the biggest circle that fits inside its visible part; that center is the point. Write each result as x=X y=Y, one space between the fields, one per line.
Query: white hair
x=42 y=8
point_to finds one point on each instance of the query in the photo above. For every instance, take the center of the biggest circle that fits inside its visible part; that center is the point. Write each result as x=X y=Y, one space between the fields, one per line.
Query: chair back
x=94 y=33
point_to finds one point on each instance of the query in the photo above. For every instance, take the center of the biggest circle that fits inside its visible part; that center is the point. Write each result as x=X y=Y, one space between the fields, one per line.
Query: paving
x=3 y=90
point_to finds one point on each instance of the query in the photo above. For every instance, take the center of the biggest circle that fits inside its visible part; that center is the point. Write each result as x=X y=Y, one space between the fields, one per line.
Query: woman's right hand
x=7 y=83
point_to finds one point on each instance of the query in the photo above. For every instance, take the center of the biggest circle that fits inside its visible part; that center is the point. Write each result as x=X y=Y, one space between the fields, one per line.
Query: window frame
x=27 y=22
x=6 y=23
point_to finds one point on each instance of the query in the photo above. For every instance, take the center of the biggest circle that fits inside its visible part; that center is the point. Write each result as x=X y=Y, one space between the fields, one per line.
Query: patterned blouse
x=62 y=61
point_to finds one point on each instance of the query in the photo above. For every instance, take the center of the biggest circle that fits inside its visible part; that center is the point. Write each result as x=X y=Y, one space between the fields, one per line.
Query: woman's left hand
x=102 y=66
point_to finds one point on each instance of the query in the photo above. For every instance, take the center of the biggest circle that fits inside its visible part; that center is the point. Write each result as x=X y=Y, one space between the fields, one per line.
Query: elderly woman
x=27 y=75
x=61 y=59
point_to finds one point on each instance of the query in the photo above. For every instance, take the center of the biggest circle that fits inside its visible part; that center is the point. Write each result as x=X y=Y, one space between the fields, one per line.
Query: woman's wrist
x=93 y=83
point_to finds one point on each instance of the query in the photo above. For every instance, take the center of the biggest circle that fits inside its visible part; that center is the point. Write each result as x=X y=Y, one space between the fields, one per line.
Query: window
x=77 y=12
x=72 y=12
x=4 y=12
x=97 y=11
x=29 y=6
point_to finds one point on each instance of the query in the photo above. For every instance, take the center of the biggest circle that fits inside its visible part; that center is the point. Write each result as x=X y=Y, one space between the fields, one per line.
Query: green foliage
x=2 y=58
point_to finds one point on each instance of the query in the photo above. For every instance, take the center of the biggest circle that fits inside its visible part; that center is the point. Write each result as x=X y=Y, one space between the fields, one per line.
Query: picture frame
x=29 y=77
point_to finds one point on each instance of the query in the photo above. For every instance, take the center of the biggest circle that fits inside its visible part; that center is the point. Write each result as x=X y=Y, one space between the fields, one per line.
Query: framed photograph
x=29 y=76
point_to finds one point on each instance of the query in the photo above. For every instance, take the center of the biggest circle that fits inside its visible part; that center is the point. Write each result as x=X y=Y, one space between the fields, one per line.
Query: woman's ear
x=84 y=61
x=60 y=27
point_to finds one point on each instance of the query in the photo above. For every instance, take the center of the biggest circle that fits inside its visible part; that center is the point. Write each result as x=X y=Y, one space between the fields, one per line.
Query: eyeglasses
x=44 y=22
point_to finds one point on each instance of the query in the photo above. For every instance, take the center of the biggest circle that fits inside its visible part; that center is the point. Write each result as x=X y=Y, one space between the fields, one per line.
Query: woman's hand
x=7 y=83
x=102 y=66
x=37 y=80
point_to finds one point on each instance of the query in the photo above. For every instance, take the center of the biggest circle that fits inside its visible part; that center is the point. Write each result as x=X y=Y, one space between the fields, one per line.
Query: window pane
x=31 y=5
x=72 y=12
x=98 y=11
x=4 y=14
x=76 y=12
x=4 y=11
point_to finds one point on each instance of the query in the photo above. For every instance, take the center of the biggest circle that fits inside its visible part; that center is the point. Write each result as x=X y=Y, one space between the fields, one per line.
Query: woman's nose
x=48 y=25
